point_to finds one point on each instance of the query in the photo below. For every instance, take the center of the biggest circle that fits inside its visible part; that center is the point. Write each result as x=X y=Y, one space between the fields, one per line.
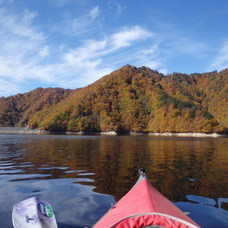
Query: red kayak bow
x=144 y=206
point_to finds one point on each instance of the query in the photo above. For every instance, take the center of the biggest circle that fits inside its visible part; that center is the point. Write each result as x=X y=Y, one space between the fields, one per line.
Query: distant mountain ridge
x=128 y=99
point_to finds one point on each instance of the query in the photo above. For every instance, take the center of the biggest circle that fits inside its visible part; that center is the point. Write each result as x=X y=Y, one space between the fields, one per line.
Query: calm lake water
x=80 y=176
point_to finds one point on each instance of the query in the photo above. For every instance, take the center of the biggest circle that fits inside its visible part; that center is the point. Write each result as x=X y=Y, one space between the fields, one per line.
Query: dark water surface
x=80 y=176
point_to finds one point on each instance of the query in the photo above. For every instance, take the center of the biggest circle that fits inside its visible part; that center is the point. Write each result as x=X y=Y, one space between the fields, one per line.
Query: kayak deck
x=144 y=206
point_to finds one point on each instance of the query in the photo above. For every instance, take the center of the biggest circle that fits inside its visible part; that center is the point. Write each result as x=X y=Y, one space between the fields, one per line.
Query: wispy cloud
x=125 y=37
x=115 y=8
x=20 y=25
x=220 y=61
x=22 y=47
x=94 y=13
x=8 y=87
x=83 y=24
x=90 y=59
x=26 y=54
x=186 y=45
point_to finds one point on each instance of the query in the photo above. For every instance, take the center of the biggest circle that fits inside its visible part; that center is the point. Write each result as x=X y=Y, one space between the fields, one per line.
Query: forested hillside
x=142 y=100
x=129 y=99
x=15 y=111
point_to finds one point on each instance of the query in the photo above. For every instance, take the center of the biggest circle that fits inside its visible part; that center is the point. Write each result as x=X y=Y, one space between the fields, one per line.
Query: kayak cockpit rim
x=190 y=225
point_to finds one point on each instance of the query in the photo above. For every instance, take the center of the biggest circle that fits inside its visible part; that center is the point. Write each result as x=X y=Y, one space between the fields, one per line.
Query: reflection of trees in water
x=113 y=162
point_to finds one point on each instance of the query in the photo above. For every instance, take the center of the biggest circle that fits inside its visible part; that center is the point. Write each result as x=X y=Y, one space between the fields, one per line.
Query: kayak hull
x=144 y=206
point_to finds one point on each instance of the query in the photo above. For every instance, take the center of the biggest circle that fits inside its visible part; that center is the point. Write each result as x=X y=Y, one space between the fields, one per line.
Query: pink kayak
x=144 y=206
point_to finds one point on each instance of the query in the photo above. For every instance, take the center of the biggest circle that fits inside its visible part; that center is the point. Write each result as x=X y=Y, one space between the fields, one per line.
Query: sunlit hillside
x=143 y=100
x=129 y=99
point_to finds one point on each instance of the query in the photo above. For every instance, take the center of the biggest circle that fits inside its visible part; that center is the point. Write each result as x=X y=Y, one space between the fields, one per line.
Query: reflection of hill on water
x=110 y=162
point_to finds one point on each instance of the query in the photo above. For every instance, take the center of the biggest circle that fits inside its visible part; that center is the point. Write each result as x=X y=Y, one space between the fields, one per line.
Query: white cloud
x=150 y=57
x=83 y=24
x=44 y=51
x=95 y=49
x=220 y=61
x=89 y=61
x=27 y=55
x=22 y=47
x=94 y=13
x=91 y=56
x=19 y=25
x=125 y=37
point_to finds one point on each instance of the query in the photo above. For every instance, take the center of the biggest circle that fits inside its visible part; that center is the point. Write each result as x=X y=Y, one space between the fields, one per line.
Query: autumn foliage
x=15 y=111
x=129 y=99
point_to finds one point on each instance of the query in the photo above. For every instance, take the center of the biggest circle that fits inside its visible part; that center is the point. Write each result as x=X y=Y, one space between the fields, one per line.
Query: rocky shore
x=24 y=130
x=191 y=134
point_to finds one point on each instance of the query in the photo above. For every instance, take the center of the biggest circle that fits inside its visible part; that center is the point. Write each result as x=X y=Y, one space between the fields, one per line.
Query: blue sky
x=72 y=43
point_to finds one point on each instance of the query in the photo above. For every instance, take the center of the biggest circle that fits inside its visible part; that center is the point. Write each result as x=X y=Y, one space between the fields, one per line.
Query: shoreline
x=28 y=131
x=22 y=130
x=190 y=134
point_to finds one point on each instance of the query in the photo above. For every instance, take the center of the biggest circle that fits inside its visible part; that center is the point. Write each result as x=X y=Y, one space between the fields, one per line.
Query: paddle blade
x=33 y=213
